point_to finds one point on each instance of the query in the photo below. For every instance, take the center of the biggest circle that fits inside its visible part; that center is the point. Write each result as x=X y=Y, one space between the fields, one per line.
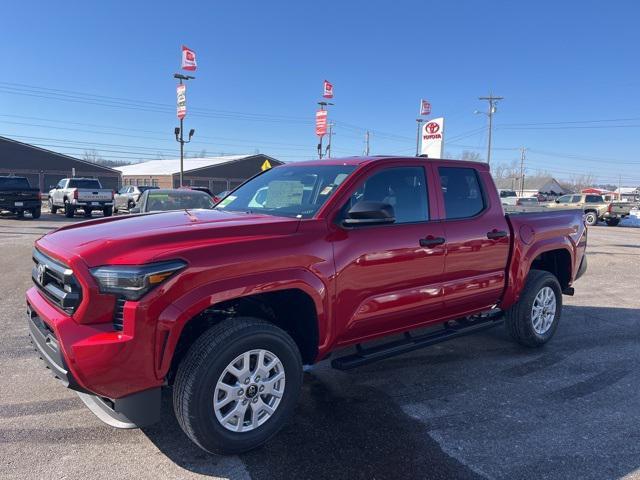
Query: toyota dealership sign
x=433 y=138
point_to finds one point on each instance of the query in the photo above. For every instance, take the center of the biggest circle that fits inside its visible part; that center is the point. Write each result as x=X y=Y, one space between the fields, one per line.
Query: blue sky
x=261 y=66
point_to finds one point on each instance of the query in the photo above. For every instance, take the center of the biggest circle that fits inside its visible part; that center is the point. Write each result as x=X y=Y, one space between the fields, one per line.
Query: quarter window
x=463 y=197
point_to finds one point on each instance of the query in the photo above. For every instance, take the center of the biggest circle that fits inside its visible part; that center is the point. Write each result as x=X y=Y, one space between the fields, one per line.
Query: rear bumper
x=26 y=205
x=94 y=204
x=130 y=411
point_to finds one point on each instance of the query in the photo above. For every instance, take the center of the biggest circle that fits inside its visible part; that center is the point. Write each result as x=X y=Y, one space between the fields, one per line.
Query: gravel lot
x=477 y=407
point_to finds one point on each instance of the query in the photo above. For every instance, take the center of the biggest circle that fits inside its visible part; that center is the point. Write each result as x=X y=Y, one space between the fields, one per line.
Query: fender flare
x=174 y=318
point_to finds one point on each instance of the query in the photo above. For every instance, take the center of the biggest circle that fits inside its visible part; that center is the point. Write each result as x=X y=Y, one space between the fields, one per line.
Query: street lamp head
x=176 y=131
x=191 y=132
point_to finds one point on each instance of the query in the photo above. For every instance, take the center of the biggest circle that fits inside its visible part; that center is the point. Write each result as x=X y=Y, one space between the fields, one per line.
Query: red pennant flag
x=328 y=90
x=188 y=59
x=425 y=107
x=321 y=123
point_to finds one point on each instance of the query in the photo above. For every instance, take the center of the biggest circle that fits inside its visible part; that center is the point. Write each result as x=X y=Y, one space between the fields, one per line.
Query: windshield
x=14 y=182
x=84 y=184
x=162 y=200
x=288 y=191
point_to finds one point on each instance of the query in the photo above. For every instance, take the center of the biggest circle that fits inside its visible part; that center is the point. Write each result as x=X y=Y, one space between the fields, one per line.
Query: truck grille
x=56 y=282
x=118 y=314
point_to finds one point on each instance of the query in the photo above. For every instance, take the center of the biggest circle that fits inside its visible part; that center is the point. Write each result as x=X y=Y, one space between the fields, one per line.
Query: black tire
x=591 y=218
x=20 y=214
x=69 y=211
x=107 y=211
x=52 y=207
x=613 y=222
x=130 y=205
x=518 y=318
x=204 y=363
x=87 y=212
x=36 y=212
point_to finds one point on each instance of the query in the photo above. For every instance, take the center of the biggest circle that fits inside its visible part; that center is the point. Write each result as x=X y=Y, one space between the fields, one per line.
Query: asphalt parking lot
x=476 y=407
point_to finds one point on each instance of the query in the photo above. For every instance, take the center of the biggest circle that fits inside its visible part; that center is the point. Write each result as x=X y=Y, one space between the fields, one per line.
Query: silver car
x=128 y=196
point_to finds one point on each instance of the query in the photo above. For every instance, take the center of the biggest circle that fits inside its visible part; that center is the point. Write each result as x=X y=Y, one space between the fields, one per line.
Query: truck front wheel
x=237 y=385
x=534 y=319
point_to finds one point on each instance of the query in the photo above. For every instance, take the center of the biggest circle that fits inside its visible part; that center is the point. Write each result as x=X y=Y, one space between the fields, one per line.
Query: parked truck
x=18 y=196
x=86 y=194
x=226 y=305
x=595 y=208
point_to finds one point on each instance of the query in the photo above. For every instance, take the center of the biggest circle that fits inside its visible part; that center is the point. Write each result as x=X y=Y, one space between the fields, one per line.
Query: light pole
x=179 y=131
x=322 y=107
x=419 y=122
x=492 y=109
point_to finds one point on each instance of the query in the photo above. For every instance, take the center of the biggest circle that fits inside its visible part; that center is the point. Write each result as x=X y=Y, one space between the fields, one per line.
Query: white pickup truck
x=81 y=193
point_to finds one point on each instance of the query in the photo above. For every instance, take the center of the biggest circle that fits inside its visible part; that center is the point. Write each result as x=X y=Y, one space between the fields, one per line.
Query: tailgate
x=19 y=195
x=620 y=208
x=99 y=195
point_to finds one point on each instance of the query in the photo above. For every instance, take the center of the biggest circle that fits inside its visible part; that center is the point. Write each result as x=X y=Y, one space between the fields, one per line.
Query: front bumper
x=131 y=411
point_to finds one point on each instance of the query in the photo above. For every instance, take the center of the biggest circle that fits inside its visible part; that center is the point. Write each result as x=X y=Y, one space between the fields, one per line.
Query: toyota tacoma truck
x=71 y=194
x=17 y=196
x=222 y=307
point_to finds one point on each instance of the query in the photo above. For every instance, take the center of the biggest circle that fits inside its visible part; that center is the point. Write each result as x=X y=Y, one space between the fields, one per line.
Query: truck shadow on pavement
x=352 y=425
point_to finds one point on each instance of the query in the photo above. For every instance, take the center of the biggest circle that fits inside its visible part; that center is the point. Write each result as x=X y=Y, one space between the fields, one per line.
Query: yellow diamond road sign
x=265 y=166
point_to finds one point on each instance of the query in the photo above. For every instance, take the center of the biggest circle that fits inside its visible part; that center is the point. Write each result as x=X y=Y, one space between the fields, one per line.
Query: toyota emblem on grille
x=41 y=270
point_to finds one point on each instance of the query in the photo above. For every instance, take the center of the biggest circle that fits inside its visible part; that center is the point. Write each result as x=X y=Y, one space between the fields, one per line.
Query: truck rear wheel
x=613 y=222
x=534 y=319
x=591 y=218
x=237 y=385
x=52 y=207
x=107 y=211
x=36 y=212
x=69 y=211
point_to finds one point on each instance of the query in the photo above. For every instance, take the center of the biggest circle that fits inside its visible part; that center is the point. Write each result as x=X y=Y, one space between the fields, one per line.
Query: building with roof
x=216 y=173
x=532 y=186
x=45 y=168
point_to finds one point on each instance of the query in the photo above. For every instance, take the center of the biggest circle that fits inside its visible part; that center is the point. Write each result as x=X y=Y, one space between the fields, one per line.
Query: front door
x=389 y=276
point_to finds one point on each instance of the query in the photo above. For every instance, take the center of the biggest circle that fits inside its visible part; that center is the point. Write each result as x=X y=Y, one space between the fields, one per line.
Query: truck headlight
x=133 y=281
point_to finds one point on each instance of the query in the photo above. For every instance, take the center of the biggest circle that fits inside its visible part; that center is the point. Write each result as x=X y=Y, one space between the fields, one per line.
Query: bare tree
x=92 y=156
x=470 y=156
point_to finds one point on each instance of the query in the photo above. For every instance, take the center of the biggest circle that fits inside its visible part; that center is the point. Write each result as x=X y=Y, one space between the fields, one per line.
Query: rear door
x=477 y=236
x=388 y=276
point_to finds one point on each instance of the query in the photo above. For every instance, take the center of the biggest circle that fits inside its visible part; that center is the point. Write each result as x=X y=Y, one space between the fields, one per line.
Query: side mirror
x=557 y=201
x=135 y=210
x=369 y=213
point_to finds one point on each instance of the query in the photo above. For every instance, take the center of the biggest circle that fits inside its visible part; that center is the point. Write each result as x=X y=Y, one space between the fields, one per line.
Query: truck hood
x=137 y=239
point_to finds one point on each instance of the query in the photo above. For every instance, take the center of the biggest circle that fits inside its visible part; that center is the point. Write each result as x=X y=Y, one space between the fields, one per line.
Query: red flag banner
x=181 y=94
x=188 y=59
x=327 y=90
x=321 y=123
x=425 y=107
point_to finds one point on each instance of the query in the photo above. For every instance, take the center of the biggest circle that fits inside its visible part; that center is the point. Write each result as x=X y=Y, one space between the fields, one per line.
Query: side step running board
x=409 y=343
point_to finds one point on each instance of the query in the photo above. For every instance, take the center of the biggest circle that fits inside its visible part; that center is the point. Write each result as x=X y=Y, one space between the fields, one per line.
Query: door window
x=593 y=199
x=404 y=188
x=576 y=199
x=564 y=199
x=463 y=197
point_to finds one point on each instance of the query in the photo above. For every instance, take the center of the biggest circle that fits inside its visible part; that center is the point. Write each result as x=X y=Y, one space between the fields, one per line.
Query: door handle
x=495 y=234
x=431 y=241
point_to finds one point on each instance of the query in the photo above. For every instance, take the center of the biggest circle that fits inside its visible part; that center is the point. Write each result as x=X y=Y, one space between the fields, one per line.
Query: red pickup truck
x=227 y=305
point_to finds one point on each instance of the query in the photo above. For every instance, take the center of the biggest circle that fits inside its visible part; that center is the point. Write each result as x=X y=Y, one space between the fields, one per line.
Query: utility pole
x=619 y=187
x=522 y=154
x=419 y=122
x=179 y=131
x=366 y=143
x=328 y=151
x=492 y=109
